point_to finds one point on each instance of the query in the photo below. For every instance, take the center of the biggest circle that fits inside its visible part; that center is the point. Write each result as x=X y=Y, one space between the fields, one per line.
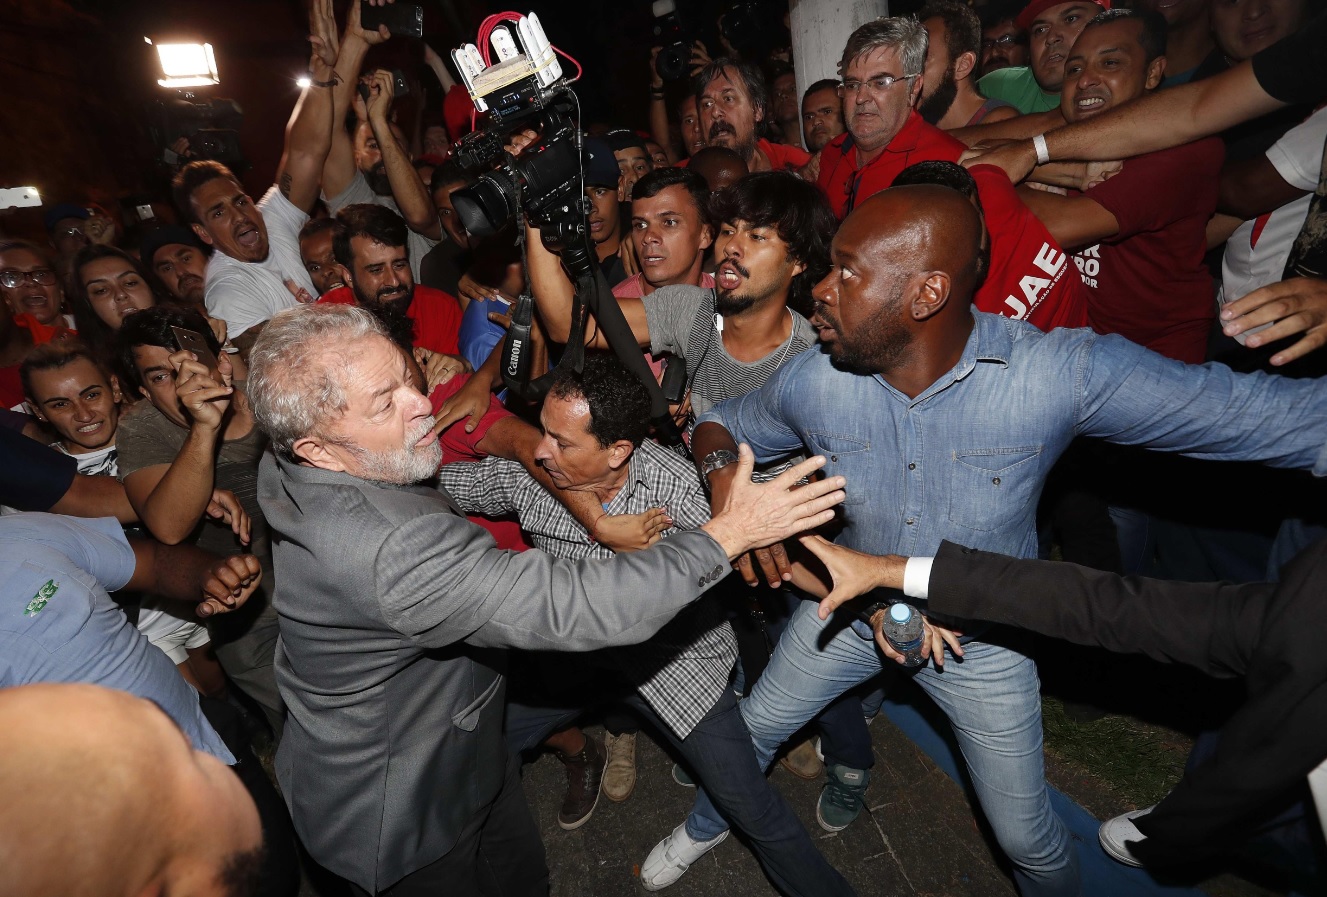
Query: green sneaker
x=843 y=797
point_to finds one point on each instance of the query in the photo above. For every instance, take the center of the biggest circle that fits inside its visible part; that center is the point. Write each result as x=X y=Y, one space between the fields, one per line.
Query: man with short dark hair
x=315 y=248
x=1003 y=43
x=670 y=231
x=179 y=260
x=733 y=106
x=633 y=159
x=1051 y=26
x=64 y=225
x=783 y=103
x=193 y=435
x=719 y=166
x=370 y=247
x=1139 y=236
x=949 y=94
x=822 y=114
x=1030 y=276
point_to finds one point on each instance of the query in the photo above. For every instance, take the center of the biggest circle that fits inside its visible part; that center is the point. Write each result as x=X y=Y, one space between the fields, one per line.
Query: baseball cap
x=1037 y=7
x=166 y=235
x=600 y=164
x=62 y=210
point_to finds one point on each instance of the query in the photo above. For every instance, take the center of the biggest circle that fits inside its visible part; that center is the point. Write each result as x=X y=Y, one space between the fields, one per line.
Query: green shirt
x=1016 y=85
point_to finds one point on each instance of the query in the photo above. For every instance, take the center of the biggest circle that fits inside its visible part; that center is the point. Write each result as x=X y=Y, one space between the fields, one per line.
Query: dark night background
x=79 y=79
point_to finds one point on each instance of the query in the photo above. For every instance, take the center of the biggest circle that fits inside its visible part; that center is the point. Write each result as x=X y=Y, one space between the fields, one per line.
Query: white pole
x=820 y=28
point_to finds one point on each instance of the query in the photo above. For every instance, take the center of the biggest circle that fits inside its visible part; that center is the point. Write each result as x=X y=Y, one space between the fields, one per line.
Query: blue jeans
x=990 y=697
x=718 y=751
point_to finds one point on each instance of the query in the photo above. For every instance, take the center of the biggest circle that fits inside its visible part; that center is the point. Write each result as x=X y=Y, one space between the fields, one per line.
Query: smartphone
x=400 y=18
x=192 y=341
x=400 y=87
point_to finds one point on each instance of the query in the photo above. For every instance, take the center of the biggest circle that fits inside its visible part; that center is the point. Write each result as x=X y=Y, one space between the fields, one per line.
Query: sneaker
x=620 y=771
x=802 y=761
x=682 y=777
x=672 y=857
x=1115 y=834
x=843 y=797
x=585 y=773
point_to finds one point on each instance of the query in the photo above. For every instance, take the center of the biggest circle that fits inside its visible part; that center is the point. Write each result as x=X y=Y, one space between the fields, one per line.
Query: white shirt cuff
x=917 y=577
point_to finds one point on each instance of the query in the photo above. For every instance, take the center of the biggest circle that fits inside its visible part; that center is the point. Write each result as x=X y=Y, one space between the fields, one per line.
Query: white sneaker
x=1115 y=832
x=672 y=857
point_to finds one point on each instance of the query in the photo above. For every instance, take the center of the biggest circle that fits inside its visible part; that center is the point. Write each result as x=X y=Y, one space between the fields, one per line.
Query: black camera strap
x=593 y=296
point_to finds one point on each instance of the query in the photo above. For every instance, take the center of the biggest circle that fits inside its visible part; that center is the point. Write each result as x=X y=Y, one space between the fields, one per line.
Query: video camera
x=525 y=89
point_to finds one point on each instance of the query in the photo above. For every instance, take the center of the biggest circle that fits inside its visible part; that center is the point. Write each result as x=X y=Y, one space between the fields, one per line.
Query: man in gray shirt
x=392 y=607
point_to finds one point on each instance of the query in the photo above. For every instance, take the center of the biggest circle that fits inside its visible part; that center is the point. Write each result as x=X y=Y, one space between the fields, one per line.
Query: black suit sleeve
x=1213 y=627
x=33 y=477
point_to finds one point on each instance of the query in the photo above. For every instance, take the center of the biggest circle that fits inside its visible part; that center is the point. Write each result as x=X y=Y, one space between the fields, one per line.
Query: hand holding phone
x=400 y=18
x=191 y=341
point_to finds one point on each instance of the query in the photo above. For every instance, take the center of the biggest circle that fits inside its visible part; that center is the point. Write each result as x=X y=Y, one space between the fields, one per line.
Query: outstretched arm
x=309 y=133
x=355 y=42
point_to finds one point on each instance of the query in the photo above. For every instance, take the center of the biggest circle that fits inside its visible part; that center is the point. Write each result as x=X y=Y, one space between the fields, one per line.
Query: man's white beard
x=402 y=466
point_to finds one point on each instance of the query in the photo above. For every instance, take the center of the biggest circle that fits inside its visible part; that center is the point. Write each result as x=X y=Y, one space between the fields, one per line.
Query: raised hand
x=323 y=36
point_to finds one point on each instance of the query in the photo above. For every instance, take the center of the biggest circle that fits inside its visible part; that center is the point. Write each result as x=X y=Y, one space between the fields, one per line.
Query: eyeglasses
x=878 y=84
x=1006 y=41
x=13 y=279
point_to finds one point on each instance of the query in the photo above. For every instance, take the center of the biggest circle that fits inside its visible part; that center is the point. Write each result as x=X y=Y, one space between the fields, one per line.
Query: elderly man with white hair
x=394 y=607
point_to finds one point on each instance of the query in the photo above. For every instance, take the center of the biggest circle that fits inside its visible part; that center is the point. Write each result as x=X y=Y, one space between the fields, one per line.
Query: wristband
x=336 y=79
x=1039 y=144
x=657 y=94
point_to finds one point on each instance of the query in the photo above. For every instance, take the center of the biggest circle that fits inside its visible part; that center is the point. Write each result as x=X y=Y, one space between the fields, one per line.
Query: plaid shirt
x=683 y=669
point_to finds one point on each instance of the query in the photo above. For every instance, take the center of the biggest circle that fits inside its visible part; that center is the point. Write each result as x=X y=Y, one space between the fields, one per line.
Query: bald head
x=85 y=767
x=899 y=294
x=719 y=166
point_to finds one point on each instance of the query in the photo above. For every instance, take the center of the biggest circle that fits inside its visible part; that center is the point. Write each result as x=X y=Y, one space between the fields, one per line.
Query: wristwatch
x=714 y=461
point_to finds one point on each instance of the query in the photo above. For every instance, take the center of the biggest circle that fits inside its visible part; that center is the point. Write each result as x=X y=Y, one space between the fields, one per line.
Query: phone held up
x=192 y=341
x=400 y=18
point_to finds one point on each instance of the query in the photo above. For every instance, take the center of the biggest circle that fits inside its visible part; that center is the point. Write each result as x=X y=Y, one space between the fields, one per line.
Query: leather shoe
x=585 y=774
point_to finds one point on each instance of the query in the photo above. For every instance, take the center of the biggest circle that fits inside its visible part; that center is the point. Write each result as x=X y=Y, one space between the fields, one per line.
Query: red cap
x=1037 y=7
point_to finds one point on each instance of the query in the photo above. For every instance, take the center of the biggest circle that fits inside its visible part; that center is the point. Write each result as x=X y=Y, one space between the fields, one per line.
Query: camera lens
x=672 y=62
x=487 y=204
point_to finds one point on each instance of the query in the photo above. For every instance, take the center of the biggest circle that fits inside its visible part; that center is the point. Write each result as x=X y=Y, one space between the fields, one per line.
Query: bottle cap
x=900 y=613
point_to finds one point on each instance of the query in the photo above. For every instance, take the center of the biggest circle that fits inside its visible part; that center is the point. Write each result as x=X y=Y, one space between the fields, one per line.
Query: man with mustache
x=179 y=260
x=1051 y=28
x=369 y=162
x=396 y=613
x=733 y=106
x=369 y=246
x=1002 y=42
x=1030 y=278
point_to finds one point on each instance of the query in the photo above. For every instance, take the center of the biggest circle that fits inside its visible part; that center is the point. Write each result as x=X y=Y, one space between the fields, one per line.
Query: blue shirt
x=966 y=459
x=57 y=624
x=478 y=334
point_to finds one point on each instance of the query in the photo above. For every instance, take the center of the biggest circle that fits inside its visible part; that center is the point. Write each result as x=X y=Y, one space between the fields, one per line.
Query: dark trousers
x=719 y=751
x=498 y=854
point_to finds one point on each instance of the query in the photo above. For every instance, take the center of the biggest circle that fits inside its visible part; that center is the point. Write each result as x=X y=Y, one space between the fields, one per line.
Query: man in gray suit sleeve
x=391 y=605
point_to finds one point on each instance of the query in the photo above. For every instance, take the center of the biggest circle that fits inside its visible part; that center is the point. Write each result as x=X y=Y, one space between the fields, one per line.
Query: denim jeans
x=990 y=697
x=718 y=751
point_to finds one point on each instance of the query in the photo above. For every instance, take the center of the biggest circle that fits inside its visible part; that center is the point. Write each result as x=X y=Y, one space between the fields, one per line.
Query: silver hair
x=297 y=368
x=903 y=33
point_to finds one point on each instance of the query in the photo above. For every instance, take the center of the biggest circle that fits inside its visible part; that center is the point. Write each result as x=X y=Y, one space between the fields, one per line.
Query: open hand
x=1297 y=305
x=631 y=532
x=224 y=506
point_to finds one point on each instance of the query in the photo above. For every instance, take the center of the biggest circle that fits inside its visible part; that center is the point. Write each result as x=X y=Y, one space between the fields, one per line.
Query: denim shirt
x=966 y=459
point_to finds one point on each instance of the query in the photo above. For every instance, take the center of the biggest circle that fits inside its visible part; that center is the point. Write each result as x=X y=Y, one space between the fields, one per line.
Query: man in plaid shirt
x=595 y=440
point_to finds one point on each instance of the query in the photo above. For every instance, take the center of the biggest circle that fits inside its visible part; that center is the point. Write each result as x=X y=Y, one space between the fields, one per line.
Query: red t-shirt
x=458 y=445
x=1030 y=277
x=437 y=316
x=1148 y=282
x=783 y=156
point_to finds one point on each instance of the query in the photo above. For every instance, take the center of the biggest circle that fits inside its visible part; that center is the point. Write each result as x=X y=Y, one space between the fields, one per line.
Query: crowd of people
x=914 y=328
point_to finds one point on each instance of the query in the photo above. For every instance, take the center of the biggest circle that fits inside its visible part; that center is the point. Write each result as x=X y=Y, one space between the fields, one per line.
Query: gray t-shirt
x=147 y=438
x=682 y=322
x=417 y=245
x=58 y=624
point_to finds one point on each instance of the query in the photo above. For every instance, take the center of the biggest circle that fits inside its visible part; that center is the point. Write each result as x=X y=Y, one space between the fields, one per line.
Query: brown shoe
x=585 y=772
x=620 y=773
x=801 y=761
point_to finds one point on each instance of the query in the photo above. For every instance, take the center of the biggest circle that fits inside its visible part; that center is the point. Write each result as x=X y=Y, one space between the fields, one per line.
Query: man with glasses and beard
x=370 y=245
x=395 y=611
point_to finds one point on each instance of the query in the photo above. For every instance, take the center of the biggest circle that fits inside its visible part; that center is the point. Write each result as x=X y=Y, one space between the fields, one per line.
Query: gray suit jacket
x=392 y=606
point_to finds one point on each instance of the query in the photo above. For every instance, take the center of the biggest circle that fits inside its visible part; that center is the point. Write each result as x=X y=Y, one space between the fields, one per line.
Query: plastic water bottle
x=903 y=631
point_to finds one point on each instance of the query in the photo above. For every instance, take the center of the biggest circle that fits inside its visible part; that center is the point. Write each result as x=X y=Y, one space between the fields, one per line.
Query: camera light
x=303 y=83
x=187 y=65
